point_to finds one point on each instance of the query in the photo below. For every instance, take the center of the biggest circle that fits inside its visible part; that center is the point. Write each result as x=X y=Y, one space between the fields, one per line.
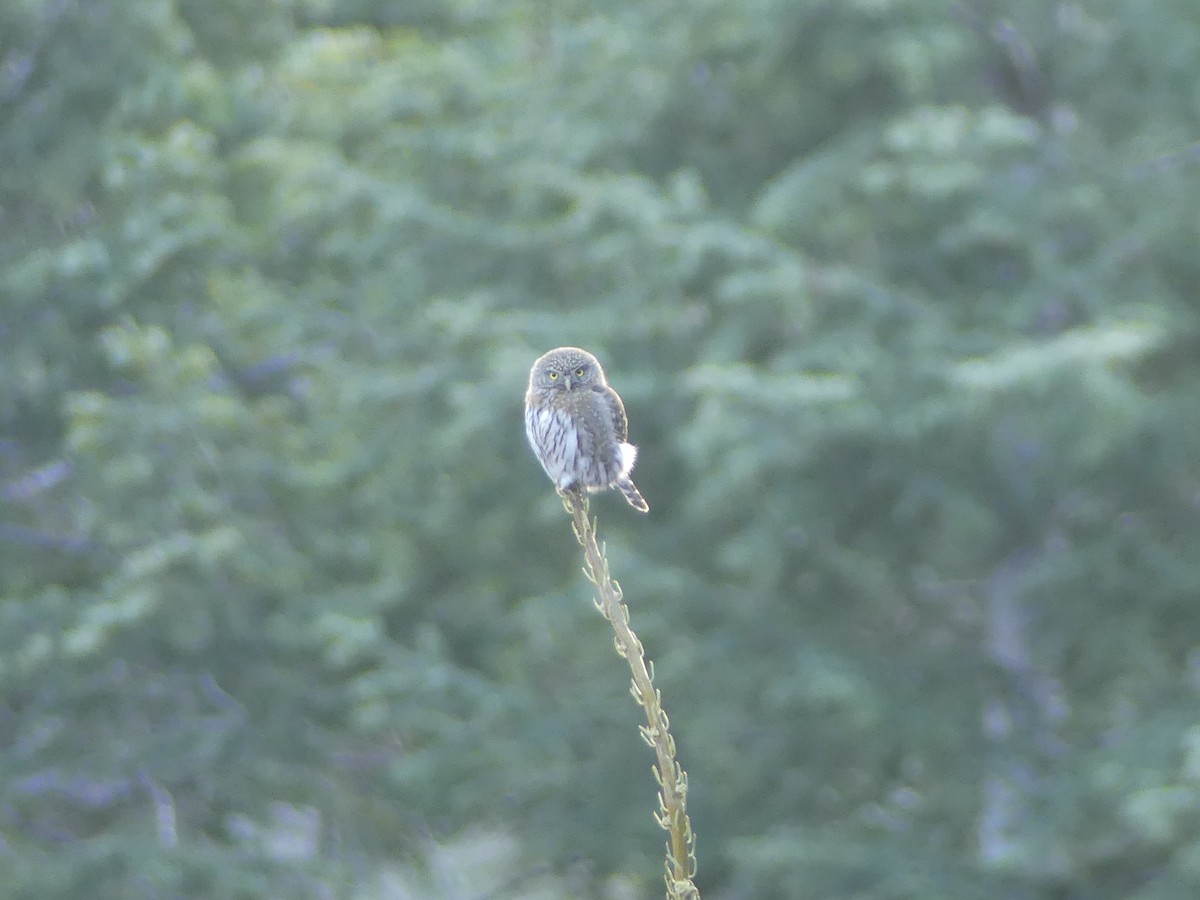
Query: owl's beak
x=566 y=382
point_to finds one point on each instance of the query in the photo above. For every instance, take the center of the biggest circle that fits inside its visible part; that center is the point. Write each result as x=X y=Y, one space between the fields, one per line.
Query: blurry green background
x=902 y=297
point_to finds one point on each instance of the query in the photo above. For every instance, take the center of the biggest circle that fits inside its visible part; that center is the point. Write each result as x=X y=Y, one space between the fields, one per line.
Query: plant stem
x=672 y=779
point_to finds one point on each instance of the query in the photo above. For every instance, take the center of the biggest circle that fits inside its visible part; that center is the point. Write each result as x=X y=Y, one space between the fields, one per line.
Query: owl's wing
x=617 y=410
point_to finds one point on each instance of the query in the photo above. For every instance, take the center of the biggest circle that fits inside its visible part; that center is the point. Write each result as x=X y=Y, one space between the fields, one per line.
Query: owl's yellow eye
x=579 y=372
x=552 y=375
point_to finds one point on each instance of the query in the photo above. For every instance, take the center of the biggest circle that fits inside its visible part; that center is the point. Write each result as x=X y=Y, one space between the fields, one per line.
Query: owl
x=576 y=425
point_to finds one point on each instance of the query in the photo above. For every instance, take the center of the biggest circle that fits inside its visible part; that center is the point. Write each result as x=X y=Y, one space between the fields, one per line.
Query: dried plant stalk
x=672 y=780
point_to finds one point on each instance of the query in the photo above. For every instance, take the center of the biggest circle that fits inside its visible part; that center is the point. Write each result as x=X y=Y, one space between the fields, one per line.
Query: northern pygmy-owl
x=577 y=427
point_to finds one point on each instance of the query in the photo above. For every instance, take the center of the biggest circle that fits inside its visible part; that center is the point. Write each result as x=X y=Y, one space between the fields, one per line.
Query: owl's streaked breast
x=552 y=433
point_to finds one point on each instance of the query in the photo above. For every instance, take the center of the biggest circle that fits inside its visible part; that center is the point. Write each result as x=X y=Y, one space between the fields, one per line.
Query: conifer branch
x=672 y=779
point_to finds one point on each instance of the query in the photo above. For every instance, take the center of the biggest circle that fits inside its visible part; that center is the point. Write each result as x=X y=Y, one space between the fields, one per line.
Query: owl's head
x=564 y=369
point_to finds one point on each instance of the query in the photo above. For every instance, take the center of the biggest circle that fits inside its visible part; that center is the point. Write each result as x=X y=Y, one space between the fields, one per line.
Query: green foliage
x=900 y=297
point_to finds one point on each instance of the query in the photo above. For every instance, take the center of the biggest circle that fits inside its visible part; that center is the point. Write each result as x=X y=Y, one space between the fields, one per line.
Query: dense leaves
x=901 y=300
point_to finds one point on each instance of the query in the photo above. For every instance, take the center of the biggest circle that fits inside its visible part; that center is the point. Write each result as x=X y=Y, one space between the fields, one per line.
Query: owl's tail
x=626 y=486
